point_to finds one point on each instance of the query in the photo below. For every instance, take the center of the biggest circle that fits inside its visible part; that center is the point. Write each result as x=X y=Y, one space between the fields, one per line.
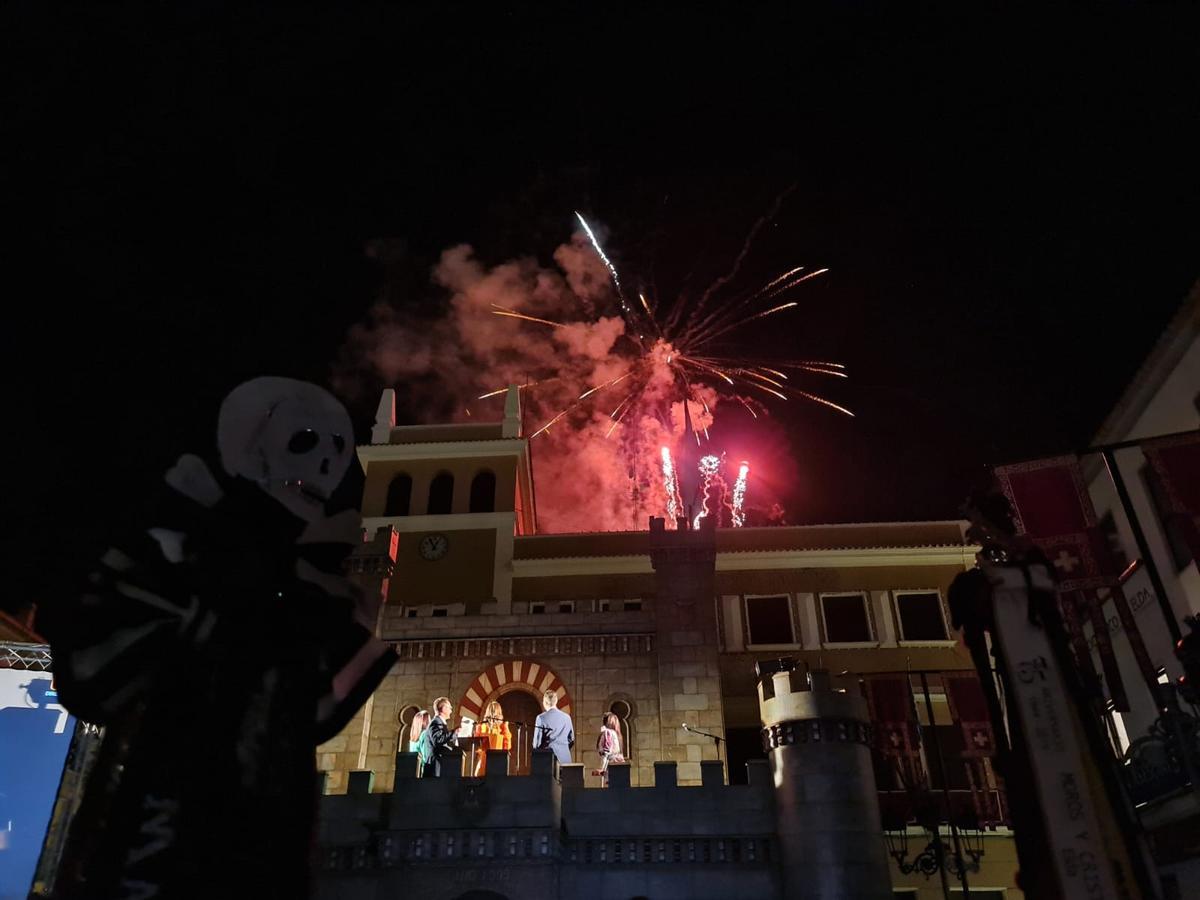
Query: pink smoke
x=590 y=476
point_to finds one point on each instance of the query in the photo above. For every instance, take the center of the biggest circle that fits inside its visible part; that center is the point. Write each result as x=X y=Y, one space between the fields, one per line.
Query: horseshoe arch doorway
x=518 y=686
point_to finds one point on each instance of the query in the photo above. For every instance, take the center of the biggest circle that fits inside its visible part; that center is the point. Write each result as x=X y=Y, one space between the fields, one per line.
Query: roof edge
x=1166 y=353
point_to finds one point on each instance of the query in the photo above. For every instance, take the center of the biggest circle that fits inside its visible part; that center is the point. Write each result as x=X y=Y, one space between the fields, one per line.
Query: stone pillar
x=370 y=566
x=689 y=676
x=817 y=741
x=385 y=418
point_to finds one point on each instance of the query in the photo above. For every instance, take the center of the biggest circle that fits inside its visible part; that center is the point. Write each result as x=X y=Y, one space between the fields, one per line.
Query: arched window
x=406 y=719
x=399 y=494
x=624 y=712
x=441 y=494
x=483 y=492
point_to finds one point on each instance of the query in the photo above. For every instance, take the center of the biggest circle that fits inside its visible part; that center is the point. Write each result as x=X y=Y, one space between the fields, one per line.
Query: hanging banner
x=894 y=721
x=968 y=706
x=1051 y=506
x=1083 y=862
x=1176 y=463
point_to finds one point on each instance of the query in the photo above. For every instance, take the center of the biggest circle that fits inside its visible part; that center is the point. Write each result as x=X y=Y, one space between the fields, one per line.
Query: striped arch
x=503 y=677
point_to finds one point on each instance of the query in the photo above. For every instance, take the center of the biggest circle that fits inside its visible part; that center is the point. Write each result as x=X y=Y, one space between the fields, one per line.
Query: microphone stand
x=516 y=742
x=716 y=738
x=532 y=743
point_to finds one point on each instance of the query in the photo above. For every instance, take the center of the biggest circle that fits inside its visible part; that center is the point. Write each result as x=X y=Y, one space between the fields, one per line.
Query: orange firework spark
x=498 y=310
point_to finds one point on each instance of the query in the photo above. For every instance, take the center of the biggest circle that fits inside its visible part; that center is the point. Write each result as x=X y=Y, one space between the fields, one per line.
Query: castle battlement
x=684 y=833
x=549 y=796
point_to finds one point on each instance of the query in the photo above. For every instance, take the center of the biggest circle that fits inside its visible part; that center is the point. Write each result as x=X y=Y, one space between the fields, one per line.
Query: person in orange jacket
x=497 y=732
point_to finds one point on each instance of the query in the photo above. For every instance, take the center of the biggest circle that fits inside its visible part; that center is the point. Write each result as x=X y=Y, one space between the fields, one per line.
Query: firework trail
x=679 y=348
x=670 y=485
x=602 y=394
x=739 y=495
x=710 y=474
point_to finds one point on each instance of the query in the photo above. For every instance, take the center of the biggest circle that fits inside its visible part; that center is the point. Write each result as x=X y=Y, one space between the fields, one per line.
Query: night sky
x=1009 y=209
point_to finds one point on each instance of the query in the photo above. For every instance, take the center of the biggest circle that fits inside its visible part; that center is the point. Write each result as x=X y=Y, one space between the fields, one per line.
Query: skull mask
x=291 y=438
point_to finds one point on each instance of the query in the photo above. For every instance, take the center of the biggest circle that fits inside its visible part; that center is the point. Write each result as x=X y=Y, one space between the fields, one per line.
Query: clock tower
x=457 y=494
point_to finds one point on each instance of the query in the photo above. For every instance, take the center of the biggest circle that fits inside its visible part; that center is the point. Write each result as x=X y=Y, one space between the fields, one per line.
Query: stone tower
x=689 y=675
x=817 y=739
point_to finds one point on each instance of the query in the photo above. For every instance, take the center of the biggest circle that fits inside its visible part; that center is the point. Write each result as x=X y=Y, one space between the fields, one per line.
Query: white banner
x=1055 y=752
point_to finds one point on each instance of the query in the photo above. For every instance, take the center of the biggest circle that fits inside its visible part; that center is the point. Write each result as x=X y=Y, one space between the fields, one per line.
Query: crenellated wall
x=545 y=835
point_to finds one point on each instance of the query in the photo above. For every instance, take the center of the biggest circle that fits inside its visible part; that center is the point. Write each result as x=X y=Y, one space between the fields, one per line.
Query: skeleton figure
x=219 y=646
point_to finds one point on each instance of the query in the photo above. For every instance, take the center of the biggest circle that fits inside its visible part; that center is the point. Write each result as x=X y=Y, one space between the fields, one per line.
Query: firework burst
x=610 y=372
x=676 y=365
x=684 y=350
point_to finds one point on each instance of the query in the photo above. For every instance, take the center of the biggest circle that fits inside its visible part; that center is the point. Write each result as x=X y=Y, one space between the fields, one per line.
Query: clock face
x=433 y=546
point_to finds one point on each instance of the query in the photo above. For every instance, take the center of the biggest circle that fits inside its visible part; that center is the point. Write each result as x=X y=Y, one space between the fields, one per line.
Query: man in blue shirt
x=553 y=729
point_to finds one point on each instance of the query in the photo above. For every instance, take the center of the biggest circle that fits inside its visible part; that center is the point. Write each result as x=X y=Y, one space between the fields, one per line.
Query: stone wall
x=444 y=656
x=546 y=835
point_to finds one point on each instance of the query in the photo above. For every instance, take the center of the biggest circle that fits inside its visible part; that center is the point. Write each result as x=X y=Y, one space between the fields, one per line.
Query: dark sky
x=1009 y=208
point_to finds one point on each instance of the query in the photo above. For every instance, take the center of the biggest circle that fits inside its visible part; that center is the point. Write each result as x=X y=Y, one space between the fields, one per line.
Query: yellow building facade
x=480 y=606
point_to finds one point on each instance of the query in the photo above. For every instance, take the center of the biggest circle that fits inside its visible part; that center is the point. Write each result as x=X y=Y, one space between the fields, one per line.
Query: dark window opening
x=412 y=613
x=483 y=493
x=921 y=617
x=440 y=612
x=846 y=619
x=1181 y=553
x=537 y=608
x=624 y=714
x=632 y=606
x=399 y=495
x=567 y=606
x=770 y=620
x=406 y=719
x=742 y=745
x=441 y=494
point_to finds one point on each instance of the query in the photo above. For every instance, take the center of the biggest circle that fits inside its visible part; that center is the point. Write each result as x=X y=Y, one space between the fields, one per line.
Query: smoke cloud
x=591 y=476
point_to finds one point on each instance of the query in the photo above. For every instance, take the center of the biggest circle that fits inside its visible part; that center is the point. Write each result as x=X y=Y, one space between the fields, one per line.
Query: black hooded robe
x=216 y=669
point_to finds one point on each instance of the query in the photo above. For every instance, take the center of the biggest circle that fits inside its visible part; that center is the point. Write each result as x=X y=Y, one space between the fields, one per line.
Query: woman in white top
x=608 y=745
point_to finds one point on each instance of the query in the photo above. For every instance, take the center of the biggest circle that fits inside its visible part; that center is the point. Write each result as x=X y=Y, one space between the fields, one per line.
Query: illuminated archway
x=513 y=674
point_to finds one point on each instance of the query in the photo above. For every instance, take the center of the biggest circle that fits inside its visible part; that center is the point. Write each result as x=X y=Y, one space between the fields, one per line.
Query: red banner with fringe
x=1176 y=464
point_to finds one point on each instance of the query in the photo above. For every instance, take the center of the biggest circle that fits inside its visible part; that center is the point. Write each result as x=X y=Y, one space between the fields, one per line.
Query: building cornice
x=450 y=522
x=368 y=453
x=858 y=557
x=1168 y=350
x=582 y=565
x=751 y=561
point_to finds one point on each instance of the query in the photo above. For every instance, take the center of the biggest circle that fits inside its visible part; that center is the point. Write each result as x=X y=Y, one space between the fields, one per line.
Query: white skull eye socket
x=339 y=443
x=303 y=441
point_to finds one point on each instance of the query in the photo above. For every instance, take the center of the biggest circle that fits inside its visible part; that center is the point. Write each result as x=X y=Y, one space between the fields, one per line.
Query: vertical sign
x=1042 y=705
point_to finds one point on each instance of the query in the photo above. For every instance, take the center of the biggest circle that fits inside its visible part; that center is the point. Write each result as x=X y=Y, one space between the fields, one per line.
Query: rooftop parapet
x=551 y=795
x=794 y=695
